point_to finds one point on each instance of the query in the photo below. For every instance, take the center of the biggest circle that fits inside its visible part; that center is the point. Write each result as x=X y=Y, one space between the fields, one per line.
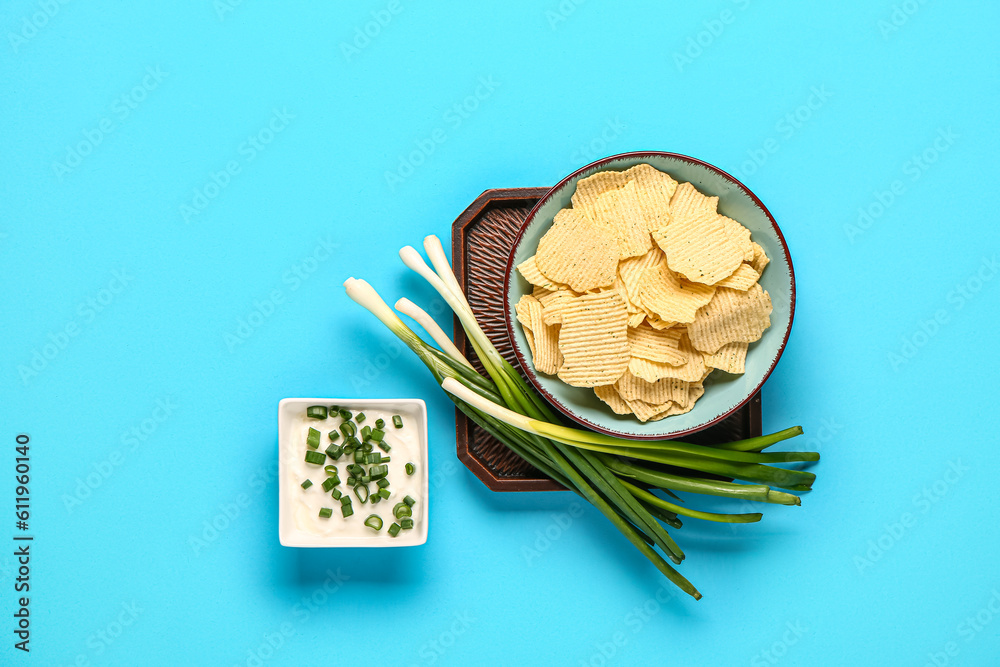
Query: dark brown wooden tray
x=481 y=239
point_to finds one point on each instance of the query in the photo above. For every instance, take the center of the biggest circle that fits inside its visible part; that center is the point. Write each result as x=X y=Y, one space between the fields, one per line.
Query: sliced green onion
x=401 y=510
x=397 y=421
x=359 y=456
x=379 y=471
x=316 y=412
x=382 y=482
x=337 y=494
x=325 y=512
x=312 y=440
x=367 y=447
x=334 y=409
x=406 y=523
x=377 y=435
x=366 y=431
x=346 y=510
x=345 y=500
x=409 y=501
x=330 y=482
x=333 y=435
x=345 y=414
x=315 y=458
x=410 y=468
x=384 y=493
x=385 y=459
x=334 y=452
x=306 y=484
x=365 y=479
x=331 y=470
x=394 y=529
x=379 y=423
x=347 y=428
x=374 y=521
x=384 y=446
x=360 y=417
x=352 y=482
x=358 y=492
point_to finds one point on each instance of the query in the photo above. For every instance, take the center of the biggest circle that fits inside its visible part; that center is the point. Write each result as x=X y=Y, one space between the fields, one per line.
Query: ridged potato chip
x=594 y=340
x=553 y=304
x=739 y=236
x=731 y=358
x=656 y=345
x=630 y=271
x=692 y=370
x=631 y=388
x=543 y=341
x=760 y=258
x=655 y=189
x=578 y=252
x=731 y=316
x=610 y=395
x=672 y=298
x=590 y=188
x=698 y=248
x=636 y=319
x=647 y=412
x=742 y=279
x=529 y=269
x=688 y=202
x=620 y=209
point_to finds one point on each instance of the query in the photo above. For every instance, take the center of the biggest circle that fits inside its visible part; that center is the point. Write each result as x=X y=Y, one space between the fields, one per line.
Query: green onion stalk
x=615 y=475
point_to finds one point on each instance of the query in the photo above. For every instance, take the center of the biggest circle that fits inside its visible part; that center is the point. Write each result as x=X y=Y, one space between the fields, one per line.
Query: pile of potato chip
x=641 y=289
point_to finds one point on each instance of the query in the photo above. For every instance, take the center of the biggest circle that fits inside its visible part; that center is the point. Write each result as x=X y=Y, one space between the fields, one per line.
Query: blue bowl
x=724 y=393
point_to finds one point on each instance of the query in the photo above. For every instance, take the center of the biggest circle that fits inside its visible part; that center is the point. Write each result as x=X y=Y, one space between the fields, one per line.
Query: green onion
x=366 y=432
x=330 y=470
x=345 y=414
x=379 y=423
x=330 y=482
x=360 y=417
x=359 y=456
x=367 y=447
x=406 y=523
x=333 y=435
x=325 y=512
x=345 y=500
x=316 y=412
x=348 y=429
x=597 y=467
x=346 y=510
x=361 y=491
x=384 y=492
x=409 y=501
x=334 y=409
x=401 y=510
x=374 y=499
x=384 y=446
x=374 y=521
x=315 y=458
x=312 y=440
x=365 y=479
x=381 y=470
x=337 y=494
x=334 y=452
x=383 y=482
x=377 y=435
x=306 y=484
x=394 y=529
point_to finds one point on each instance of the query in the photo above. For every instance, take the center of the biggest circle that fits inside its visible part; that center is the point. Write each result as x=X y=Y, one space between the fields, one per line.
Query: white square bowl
x=292 y=427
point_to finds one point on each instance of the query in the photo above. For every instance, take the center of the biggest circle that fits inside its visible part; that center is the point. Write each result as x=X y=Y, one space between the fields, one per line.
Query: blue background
x=884 y=562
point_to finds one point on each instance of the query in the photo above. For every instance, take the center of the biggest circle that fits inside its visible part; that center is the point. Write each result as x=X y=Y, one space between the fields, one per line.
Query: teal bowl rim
x=530 y=220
